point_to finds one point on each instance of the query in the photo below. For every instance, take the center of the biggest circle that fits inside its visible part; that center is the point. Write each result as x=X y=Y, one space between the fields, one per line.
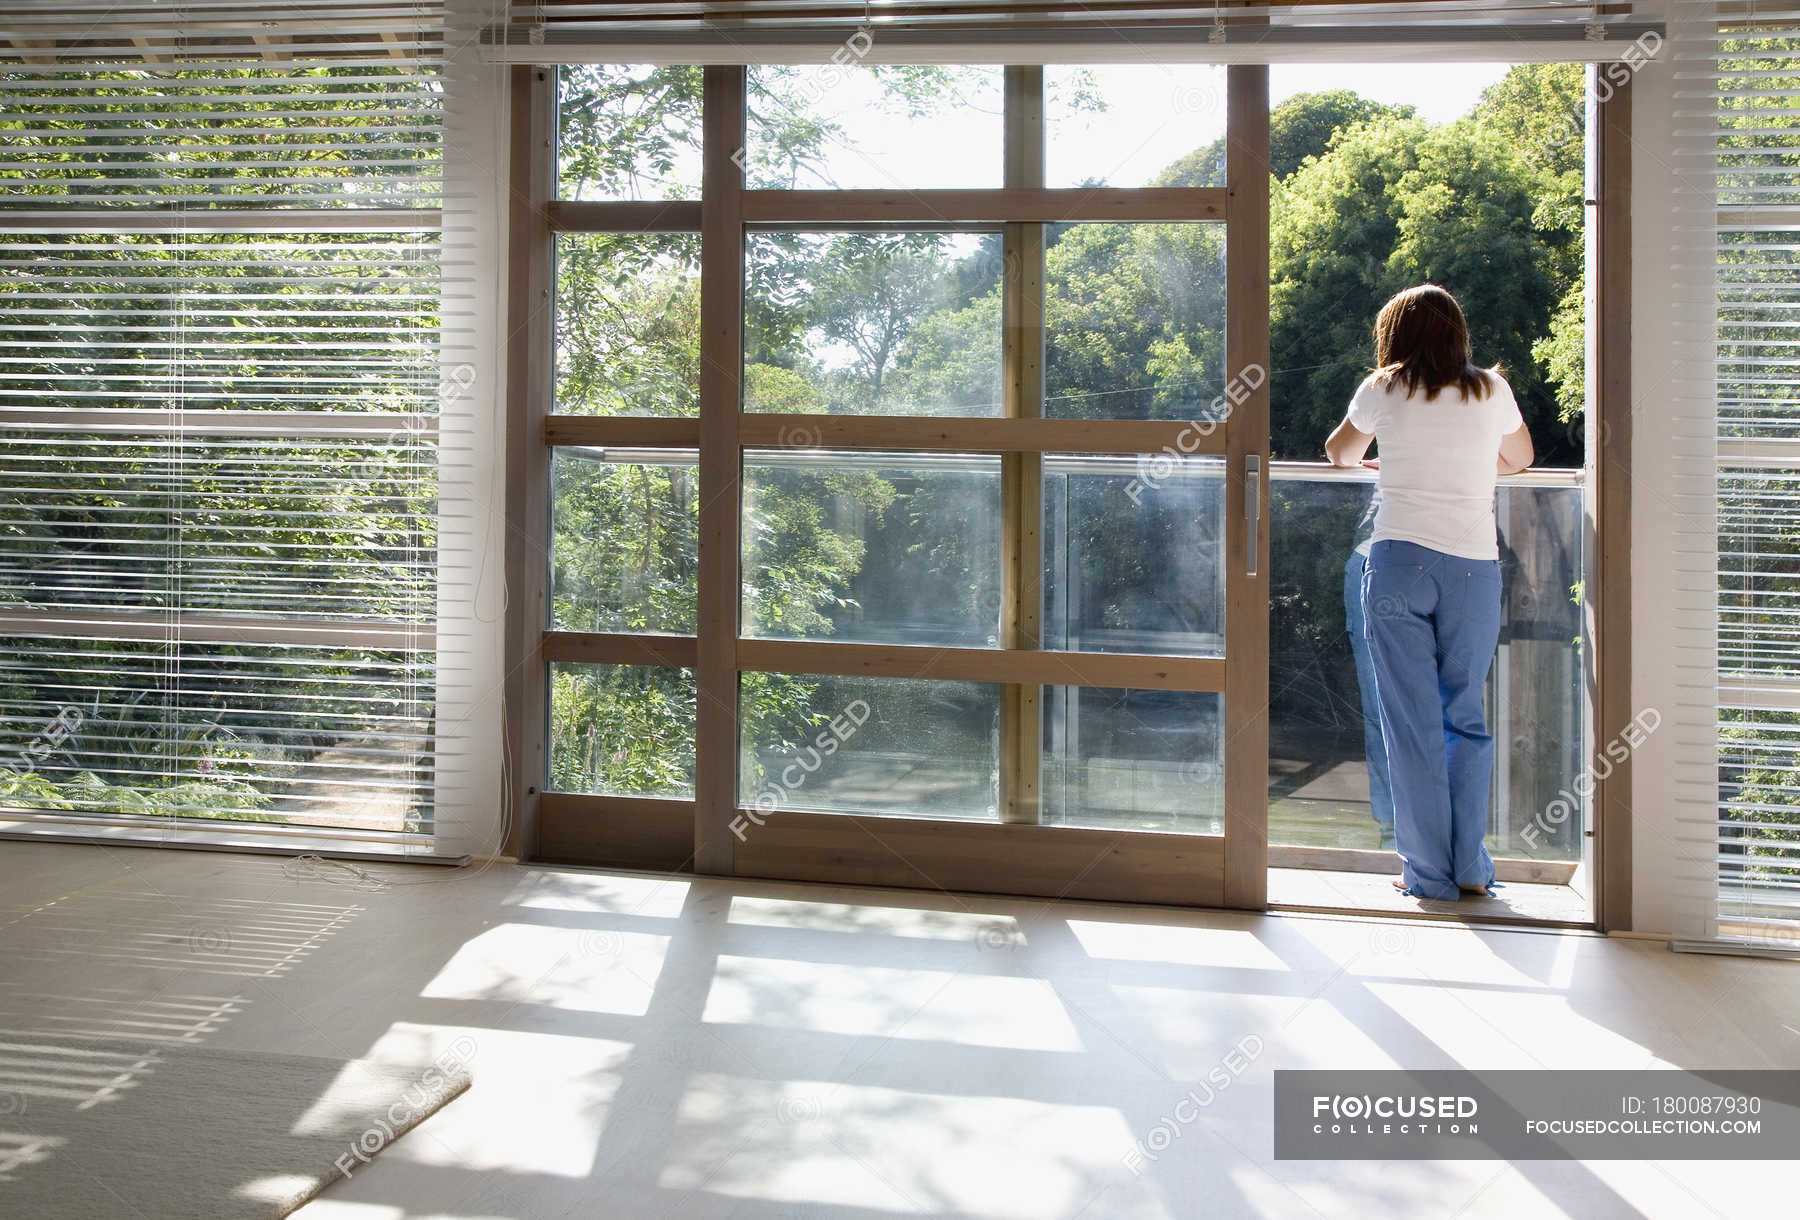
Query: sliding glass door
x=901 y=441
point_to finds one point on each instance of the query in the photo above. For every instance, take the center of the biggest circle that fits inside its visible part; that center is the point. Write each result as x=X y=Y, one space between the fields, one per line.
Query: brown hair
x=1422 y=339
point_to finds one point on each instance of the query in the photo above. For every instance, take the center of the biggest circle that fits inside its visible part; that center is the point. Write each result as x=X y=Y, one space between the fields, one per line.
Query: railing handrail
x=1316 y=472
x=1153 y=467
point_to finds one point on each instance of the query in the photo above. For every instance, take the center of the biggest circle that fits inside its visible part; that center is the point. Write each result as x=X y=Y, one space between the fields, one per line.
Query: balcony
x=1128 y=759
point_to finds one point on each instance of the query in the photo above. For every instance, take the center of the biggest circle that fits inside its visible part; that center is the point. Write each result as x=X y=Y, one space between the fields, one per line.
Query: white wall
x=472 y=412
x=1674 y=783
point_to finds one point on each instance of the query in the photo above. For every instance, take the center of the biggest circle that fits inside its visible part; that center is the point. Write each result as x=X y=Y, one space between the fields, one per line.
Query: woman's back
x=1437 y=461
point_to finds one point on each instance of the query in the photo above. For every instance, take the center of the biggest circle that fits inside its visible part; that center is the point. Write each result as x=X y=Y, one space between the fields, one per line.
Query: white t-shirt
x=1437 y=462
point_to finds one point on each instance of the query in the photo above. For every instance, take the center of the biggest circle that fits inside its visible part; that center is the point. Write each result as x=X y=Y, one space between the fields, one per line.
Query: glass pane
x=628 y=324
x=623 y=533
x=873 y=323
x=628 y=131
x=869 y=745
x=1134 y=759
x=1134 y=125
x=1134 y=318
x=847 y=126
x=622 y=730
x=1134 y=554
x=878 y=548
x=1322 y=729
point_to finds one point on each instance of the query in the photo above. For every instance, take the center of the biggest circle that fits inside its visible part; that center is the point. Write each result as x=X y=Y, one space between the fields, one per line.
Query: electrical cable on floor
x=337 y=872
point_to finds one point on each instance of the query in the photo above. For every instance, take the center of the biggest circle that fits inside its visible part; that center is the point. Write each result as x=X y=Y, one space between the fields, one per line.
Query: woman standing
x=1431 y=585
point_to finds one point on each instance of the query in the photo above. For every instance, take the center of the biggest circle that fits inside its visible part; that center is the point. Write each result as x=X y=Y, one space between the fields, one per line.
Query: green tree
x=1302 y=126
x=1393 y=205
x=1540 y=109
x=1134 y=320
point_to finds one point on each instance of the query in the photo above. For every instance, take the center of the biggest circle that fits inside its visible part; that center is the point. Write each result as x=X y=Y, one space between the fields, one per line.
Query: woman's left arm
x=1347 y=444
x=1516 y=451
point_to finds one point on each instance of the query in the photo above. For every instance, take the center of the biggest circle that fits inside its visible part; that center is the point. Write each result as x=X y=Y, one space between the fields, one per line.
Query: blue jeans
x=1381 y=802
x=1432 y=621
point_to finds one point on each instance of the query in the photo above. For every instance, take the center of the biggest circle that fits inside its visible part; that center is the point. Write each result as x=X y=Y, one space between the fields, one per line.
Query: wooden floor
x=1374 y=893
x=646 y=1046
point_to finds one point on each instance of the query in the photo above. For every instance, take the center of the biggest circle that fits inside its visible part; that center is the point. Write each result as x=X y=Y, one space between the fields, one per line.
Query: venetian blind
x=219 y=390
x=1738 y=140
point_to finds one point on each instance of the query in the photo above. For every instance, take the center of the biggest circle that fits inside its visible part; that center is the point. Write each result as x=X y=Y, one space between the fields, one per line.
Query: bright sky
x=1154 y=115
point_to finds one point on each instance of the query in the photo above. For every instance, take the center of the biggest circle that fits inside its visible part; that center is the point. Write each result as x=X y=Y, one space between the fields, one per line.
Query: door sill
x=1514 y=903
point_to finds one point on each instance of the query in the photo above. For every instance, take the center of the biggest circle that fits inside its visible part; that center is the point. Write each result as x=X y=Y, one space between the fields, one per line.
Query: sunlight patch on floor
x=880 y=1001
x=577 y=969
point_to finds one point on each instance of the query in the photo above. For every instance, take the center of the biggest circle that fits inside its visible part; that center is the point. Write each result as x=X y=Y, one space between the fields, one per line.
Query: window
x=945 y=487
x=887 y=548
x=628 y=324
x=622 y=729
x=1134 y=125
x=1134 y=759
x=1733 y=404
x=219 y=425
x=1134 y=554
x=657 y=109
x=1134 y=316
x=846 y=126
x=873 y=323
x=869 y=745
x=623 y=545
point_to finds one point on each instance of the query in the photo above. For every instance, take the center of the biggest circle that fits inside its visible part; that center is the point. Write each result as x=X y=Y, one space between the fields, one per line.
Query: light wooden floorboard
x=647 y=1046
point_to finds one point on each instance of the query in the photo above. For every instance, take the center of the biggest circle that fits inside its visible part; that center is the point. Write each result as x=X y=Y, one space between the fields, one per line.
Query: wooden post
x=721 y=371
x=1608 y=594
x=1022 y=474
x=528 y=391
x=1247 y=435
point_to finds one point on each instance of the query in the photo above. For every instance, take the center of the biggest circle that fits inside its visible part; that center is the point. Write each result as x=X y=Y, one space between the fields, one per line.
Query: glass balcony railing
x=1145 y=760
x=1318 y=777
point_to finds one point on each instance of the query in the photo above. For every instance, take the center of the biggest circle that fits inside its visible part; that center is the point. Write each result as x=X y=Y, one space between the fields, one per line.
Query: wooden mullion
x=721 y=372
x=1022 y=472
x=633 y=216
x=961 y=434
x=1246 y=720
x=623 y=431
x=1006 y=666
x=620 y=648
x=1024 y=203
x=528 y=390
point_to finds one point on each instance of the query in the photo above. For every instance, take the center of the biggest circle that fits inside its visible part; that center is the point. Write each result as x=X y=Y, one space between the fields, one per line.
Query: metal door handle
x=1252 y=511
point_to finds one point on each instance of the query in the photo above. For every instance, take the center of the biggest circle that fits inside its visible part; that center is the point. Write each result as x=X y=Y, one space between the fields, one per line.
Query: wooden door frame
x=1014 y=854
x=1606 y=633
x=1606 y=543
x=1246 y=714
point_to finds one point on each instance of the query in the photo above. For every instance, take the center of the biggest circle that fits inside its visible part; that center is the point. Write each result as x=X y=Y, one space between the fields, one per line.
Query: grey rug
x=101 y=1127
